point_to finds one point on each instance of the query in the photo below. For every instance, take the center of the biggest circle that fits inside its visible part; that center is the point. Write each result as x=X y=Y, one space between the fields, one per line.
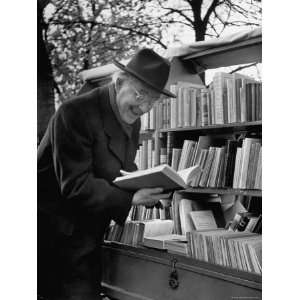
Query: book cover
x=160 y=241
x=203 y=219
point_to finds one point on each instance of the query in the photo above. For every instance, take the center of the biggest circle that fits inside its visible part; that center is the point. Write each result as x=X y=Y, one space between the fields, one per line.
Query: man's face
x=135 y=99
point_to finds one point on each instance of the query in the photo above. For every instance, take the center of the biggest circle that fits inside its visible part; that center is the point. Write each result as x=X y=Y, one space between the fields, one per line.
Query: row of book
x=150 y=155
x=239 y=250
x=142 y=213
x=225 y=164
x=246 y=173
x=146 y=156
x=237 y=164
x=230 y=98
x=133 y=232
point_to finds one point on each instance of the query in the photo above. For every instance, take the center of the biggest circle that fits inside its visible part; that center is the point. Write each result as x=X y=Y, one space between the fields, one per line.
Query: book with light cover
x=160 y=176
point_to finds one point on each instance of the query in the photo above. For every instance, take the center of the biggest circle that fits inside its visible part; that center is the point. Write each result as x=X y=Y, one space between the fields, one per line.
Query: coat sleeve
x=72 y=156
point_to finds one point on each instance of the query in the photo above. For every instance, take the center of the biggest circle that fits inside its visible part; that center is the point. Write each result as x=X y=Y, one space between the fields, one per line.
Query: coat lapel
x=113 y=130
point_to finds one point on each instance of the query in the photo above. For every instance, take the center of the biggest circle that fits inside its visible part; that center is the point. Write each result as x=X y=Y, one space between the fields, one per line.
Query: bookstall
x=230 y=120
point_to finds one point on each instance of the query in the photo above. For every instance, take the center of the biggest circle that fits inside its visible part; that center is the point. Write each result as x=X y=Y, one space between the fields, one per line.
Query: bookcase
x=143 y=273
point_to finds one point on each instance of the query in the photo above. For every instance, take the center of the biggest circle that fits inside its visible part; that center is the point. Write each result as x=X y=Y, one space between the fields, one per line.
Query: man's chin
x=130 y=119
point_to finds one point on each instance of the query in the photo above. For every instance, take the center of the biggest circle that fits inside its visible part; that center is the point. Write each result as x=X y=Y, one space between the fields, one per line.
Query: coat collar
x=117 y=139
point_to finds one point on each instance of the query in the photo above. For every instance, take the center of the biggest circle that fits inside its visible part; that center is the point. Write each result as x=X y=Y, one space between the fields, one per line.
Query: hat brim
x=139 y=77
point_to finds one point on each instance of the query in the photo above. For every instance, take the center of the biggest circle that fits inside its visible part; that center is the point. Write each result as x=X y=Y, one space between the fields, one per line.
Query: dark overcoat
x=81 y=154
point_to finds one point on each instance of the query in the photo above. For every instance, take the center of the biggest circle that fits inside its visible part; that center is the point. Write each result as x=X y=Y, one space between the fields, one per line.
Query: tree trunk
x=45 y=81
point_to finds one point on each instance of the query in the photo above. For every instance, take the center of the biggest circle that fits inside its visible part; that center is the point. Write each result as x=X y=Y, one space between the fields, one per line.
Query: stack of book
x=177 y=246
x=231 y=98
x=246 y=221
x=173 y=243
x=205 y=212
x=239 y=250
x=133 y=232
x=130 y=234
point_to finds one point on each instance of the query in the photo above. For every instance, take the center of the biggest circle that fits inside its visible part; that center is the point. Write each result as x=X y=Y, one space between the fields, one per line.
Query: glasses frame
x=143 y=97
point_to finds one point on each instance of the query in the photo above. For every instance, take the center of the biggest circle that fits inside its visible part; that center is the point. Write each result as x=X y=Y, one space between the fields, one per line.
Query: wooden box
x=139 y=273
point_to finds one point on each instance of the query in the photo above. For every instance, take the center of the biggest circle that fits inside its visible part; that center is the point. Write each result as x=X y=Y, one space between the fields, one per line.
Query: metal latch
x=173 y=279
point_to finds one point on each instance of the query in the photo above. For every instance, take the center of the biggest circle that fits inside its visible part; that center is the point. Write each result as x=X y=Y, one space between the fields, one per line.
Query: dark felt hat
x=150 y=68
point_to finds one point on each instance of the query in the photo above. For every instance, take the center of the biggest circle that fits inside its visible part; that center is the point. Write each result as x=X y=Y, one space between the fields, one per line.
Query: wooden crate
x=139 y=273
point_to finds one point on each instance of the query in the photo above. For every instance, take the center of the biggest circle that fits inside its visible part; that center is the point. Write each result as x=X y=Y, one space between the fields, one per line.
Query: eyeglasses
x=145 y=96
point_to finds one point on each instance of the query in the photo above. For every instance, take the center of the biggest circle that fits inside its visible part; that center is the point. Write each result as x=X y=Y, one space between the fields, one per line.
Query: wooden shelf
x=245 y=126
x=224 y=191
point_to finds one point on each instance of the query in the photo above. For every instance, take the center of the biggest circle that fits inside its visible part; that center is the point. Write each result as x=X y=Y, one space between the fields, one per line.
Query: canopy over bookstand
x=239 y=48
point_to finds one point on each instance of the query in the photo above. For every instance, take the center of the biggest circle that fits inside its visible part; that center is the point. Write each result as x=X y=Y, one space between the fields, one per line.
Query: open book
x=161 y=176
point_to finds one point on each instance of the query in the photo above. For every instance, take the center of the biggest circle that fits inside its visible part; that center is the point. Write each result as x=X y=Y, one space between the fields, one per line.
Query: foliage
x=83 y=34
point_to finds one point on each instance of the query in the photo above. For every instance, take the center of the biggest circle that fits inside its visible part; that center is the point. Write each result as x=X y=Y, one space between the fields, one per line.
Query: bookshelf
x=232 y=127
x=223 y=191
x=142 y=273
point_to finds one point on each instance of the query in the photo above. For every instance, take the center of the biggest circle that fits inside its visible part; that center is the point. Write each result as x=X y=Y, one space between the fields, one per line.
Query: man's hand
x=148 y=197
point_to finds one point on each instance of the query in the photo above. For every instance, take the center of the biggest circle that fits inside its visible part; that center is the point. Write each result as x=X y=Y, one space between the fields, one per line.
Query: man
x=88 y=141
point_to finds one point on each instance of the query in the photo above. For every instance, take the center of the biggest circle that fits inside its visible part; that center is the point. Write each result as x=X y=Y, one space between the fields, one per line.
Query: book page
x=188 y=174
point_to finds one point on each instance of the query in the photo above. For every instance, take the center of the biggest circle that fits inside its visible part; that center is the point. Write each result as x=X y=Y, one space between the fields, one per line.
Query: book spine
x=170 y=146
x=180 y=106
x=233 y=101
x=248 y=102
x=145 y=155
x=253 y=101
x=186 y=107
x=237 y=167
x=231 y=156
x=213 y=108
x=163 y=155
x=193 y=107
x=243 y=101
x=204 y=109
x=225 y=100
x=218 y=96
x=168 y=122
x=149 y=153
x=151 y=118
x=237 y=98
x=198 y=108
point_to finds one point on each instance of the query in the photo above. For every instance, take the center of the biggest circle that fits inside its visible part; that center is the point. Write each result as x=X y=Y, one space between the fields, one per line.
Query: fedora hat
x=150 y=68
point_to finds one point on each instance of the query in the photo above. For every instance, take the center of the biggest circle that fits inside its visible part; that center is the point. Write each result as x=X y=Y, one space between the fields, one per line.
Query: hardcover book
x=161 y=176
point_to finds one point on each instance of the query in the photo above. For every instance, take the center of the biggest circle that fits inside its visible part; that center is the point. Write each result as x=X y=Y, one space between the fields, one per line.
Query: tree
x=85 y=33
x=45 y=81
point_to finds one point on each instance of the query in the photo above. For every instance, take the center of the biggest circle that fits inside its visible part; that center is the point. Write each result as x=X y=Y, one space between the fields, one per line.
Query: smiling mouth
x=135 y=111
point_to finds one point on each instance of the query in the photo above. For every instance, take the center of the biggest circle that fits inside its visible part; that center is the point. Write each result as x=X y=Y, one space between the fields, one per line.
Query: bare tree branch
x=212 y=7
x=129 y=29
x=180 y=12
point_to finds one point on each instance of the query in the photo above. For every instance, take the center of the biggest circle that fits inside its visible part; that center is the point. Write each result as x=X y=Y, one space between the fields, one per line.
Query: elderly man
x=88 y=141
